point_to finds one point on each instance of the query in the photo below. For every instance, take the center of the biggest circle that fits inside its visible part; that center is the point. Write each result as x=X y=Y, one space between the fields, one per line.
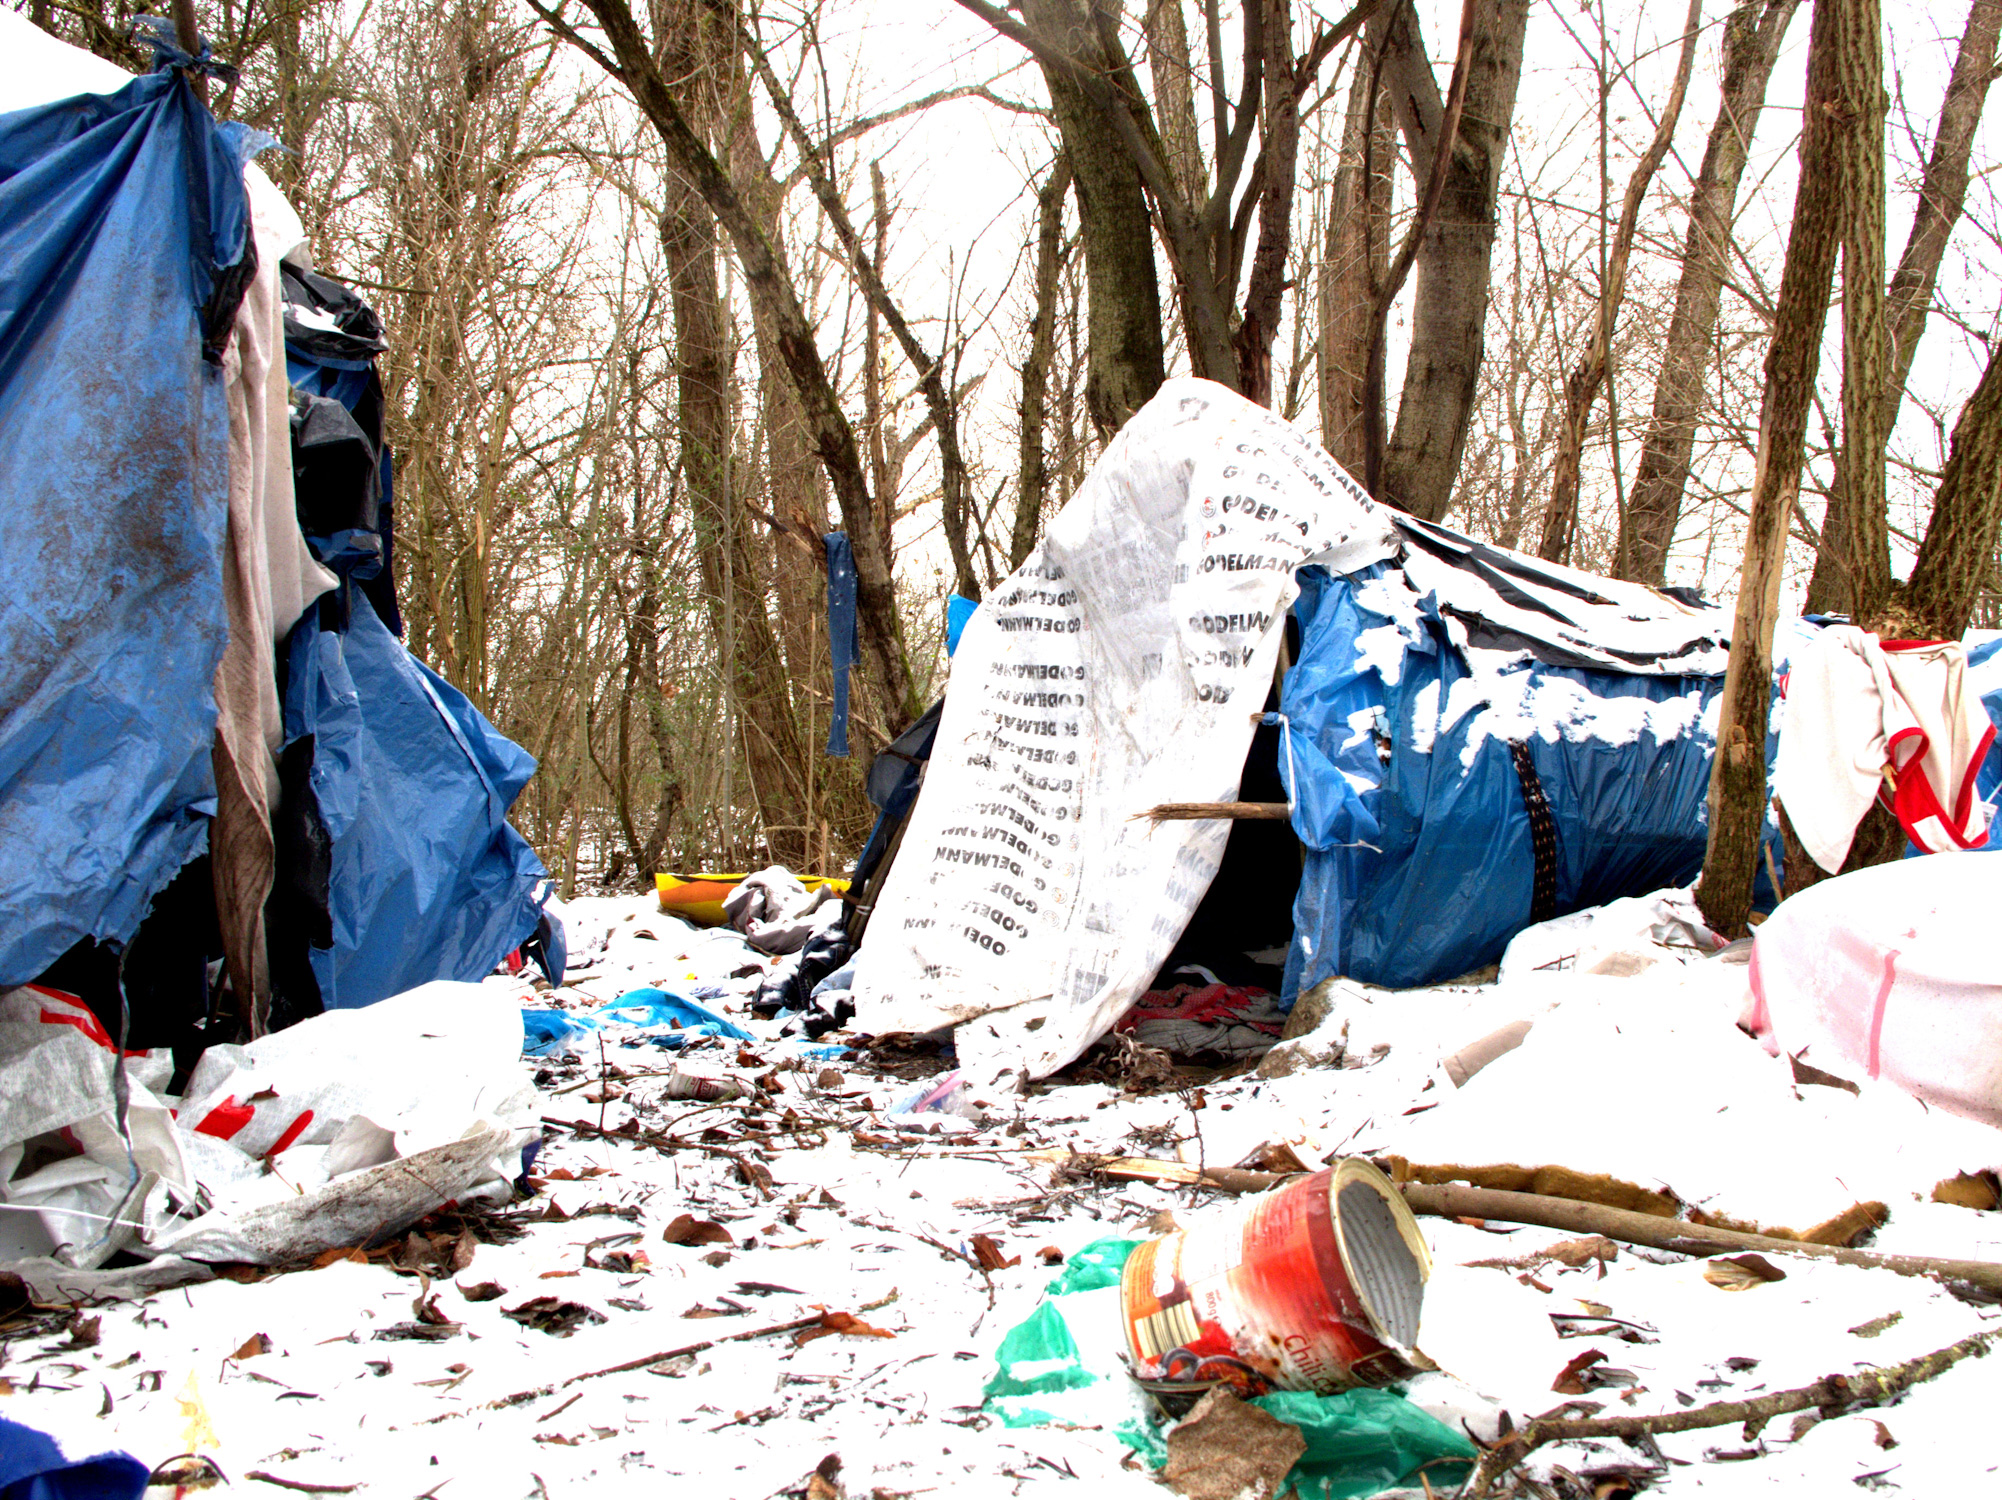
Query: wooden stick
x=1190 y=812
x=1832 y=1394
x=1148 y=1169
x=1452 y=1200
x=301 y=1485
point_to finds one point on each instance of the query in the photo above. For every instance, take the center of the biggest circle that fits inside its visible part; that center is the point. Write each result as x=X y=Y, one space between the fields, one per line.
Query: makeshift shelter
x=1469 y=741
x=170 y=636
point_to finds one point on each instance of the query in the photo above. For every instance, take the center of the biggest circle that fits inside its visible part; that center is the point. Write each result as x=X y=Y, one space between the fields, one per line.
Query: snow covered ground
x=359 y=1377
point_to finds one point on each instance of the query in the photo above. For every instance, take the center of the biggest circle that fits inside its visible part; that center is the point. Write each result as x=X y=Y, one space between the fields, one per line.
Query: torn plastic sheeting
x=1117 y=668
x=648 y=1015
x=1358 y=1443
x=40 y=1465
x=346 y=1127
x=413 y=786
x=121 y=216
x=56 y=1070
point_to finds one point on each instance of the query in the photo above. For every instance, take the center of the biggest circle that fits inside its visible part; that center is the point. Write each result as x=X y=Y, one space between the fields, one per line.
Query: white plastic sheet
x=1123 y=665
x=334 y=1132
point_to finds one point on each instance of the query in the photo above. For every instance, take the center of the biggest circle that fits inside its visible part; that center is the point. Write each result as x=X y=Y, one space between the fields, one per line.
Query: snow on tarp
x=1419 y=684
x=121 y=218
x=1121 y=666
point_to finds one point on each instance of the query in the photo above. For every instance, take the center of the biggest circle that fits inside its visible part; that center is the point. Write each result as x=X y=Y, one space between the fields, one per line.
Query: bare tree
x=1852 y=570
x=631 y=61
x=1449 y=309
x=1117 y=146
x=1752 y=37
x=1837 y=82
x=1560 y=519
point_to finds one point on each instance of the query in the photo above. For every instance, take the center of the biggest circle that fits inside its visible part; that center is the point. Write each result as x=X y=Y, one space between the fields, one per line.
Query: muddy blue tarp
x=123 y=234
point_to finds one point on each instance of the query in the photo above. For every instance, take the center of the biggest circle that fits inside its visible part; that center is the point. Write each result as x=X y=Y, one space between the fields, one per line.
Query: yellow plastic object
x=699 y=898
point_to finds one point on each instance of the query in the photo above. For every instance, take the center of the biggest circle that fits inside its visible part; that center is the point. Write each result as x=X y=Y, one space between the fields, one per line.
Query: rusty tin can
x=1315 y=1286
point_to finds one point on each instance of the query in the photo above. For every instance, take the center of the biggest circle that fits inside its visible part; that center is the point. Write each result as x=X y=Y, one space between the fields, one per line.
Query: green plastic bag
x=1358 y=1443
x=1098 y=1265
x=1038 y=1356
x=1364 y=1441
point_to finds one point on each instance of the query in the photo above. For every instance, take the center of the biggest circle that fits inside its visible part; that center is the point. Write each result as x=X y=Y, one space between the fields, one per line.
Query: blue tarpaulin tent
x=125 y=238
x=121 y=218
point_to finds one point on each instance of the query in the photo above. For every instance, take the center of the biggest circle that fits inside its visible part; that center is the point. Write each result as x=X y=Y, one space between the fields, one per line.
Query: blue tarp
x=122 y=217
x=35 y=1466
x=414 y=785
x=671 y=1020
x=1417 y=858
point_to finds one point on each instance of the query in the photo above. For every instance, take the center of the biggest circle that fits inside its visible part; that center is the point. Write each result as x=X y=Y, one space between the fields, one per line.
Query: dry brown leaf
x=1738 y=1273
x=253 y=1346
x=1884 y=1438
x=987 y=1252
x=841 y=1322
x=686 y=1229
x=485 y=1291
x=825 y=1483
x=1568 y=1381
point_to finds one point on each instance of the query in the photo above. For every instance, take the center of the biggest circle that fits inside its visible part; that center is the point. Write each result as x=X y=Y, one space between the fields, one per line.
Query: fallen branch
x=1831 y=1395
x=1452 y=1200
x=1190 y=812
x=301 y=1485
x=1148 y=1169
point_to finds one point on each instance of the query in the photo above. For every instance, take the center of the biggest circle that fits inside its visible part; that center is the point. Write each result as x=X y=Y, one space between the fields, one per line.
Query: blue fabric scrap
x=666 y=1020
x=842 y=646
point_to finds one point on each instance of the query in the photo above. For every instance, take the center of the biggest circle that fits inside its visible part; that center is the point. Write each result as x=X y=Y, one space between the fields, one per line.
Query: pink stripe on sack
x=1877 y=1013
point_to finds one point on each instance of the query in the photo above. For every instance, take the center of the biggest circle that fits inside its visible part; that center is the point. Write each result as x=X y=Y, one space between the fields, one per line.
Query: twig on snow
x=1832 y=1395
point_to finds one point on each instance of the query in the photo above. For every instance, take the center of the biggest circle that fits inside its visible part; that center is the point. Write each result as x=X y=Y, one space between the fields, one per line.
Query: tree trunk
x=1866 y=426
x=1277 y=160
x=767 y=733
x=1752 y=39
x=1581 y=388
x=1957 y=559
x=1354 y=257
x=1449 y=311
x=1032 y=485
x=1126 y=363
x=769 y=281
x=1942 y=194
x=1737 y=801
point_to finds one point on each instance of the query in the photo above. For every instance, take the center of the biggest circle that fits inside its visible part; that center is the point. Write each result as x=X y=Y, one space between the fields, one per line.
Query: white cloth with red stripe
x=1860 y=712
